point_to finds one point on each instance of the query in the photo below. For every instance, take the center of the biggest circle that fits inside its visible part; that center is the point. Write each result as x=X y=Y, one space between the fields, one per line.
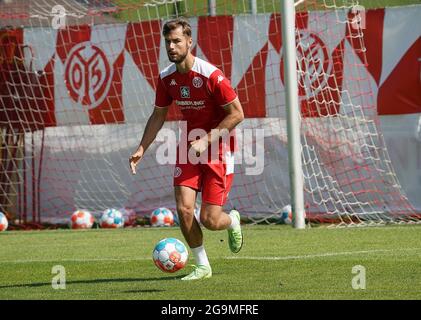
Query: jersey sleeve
x=220 y=88
x=162 y=97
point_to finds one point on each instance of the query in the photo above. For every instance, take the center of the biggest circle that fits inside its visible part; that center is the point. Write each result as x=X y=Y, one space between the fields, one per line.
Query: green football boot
x=199 y=272
x=235 y=235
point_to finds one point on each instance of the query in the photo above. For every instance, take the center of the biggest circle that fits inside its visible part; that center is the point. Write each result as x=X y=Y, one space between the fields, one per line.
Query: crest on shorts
x=197 y=82
x=177 y=172
x=185 y=92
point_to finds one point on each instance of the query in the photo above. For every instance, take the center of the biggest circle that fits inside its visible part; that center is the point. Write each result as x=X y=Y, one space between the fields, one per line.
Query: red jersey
x=200 y=94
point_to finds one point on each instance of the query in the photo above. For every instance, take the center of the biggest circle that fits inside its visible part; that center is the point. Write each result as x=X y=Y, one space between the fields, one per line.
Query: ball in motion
x=170 y=255
x=3 y=222
x=162 y=217
x=81 y=219
x=112 y=218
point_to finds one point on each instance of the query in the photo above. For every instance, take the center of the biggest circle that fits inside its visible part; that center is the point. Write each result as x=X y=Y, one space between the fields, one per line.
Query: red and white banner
x=78 y=78
x=106 y=73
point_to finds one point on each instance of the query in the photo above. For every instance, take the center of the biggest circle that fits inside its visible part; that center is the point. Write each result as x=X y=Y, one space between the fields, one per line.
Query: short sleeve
x=221 y=89
x=162 y=97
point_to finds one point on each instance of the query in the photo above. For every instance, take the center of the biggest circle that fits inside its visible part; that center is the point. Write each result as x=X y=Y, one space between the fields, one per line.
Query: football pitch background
x=199 y=7
x=276 y=263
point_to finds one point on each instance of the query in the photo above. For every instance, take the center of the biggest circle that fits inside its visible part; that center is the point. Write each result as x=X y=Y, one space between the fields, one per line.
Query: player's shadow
x=93 y=281
x=143 y=291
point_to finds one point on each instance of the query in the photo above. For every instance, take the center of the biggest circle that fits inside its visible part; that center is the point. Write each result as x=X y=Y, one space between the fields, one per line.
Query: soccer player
x=208 y=102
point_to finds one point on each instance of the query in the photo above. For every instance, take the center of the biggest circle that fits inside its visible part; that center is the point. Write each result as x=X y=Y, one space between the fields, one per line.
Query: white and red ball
x=3 y=222
x=112 y=218
x=162 y=217
x=129 y=216
x=170 y=255
x=286 y=215
x=81 y=219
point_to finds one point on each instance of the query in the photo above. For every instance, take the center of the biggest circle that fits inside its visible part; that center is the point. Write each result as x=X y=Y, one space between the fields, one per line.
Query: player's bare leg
x=185 y=199
x=214 y=218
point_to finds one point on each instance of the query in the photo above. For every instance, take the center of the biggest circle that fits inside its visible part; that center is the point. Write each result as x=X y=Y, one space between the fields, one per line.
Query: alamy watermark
x=246 y=148
x=359 y=281
x=59 y=17
x=58 y=282
x=358 y=20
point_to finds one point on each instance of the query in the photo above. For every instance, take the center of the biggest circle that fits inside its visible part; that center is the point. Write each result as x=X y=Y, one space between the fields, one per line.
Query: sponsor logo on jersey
x=185 y=105
x=173 y=83
x=185 y=92
x=220 y=78
x=190 y=103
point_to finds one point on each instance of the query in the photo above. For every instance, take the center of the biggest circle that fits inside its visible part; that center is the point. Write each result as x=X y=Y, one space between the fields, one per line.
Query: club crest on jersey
x=185 y=92
x=197 y=82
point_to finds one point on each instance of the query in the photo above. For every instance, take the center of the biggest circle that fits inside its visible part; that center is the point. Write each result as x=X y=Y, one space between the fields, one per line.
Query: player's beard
x=180 y=58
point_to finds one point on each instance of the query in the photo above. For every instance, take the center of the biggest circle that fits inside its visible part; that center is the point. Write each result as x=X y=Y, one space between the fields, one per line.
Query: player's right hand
x=134 y=160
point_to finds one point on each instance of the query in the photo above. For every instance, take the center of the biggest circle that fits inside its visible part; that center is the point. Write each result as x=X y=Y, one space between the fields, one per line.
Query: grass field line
x=323 y=255
x=308 y=256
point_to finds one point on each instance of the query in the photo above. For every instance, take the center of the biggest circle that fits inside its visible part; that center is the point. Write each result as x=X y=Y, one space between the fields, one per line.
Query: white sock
x=200 y=255
x=234 y=222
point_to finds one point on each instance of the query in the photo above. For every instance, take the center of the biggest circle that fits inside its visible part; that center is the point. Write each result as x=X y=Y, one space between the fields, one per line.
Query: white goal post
x=293 y=113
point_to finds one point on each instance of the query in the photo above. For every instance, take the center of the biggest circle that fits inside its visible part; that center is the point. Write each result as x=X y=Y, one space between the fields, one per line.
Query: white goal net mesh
x=76 y=92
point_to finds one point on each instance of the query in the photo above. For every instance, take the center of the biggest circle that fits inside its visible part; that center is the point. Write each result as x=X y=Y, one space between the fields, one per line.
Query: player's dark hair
x=174 y=24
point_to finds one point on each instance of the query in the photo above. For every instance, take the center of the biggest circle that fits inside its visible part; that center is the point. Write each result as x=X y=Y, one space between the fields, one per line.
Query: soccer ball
x=112 y=218
x=286 y=214
x=3 y=222
x=129 y=216
x=170 y=255
x=81 y=219
x=162 y=217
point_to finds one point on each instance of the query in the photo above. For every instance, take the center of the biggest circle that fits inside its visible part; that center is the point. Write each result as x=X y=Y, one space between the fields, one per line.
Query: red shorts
x=214 y=180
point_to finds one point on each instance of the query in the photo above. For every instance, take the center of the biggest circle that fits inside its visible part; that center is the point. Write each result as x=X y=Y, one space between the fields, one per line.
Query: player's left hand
x=198 y=146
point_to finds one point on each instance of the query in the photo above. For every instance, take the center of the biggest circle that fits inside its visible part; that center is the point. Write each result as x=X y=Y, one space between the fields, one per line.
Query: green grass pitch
x=133 y=10
x=277 y=262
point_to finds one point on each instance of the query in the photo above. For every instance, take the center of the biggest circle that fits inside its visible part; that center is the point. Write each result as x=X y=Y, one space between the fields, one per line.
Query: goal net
x=77 y=83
